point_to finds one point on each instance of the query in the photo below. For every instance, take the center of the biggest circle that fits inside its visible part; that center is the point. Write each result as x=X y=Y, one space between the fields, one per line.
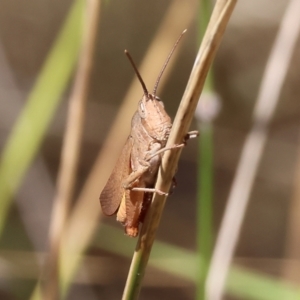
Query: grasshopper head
x=154 y=118
x=151 y=110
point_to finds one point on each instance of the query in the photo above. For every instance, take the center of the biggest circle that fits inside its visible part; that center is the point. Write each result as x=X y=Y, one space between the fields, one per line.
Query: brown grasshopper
x=128 y=190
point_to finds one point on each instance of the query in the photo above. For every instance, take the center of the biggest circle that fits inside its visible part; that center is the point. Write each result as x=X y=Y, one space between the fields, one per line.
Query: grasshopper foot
x=190 y=135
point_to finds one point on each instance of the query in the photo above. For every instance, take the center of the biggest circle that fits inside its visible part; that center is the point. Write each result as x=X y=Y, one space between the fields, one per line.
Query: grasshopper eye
x=142 y=107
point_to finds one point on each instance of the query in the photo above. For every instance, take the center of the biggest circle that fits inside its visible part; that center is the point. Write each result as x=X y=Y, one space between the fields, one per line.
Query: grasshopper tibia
x=150 y=190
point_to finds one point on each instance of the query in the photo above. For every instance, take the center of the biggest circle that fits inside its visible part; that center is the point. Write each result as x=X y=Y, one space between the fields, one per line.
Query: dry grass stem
x=180 y=127
x=267 y=100
x=70 y=150
x=85 y=216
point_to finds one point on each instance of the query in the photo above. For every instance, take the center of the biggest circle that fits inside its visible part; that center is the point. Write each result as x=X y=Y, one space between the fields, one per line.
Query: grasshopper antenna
x=167 y=61
x=146 y=93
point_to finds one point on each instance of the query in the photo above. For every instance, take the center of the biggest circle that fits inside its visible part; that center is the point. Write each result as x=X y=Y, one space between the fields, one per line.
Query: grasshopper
x=129 y=188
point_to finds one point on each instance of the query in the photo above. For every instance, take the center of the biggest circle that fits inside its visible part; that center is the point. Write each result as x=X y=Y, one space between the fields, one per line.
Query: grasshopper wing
x=113 y=191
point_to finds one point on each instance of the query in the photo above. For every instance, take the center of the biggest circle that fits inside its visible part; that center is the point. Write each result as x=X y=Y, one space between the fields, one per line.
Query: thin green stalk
x=204 y=207
x=205 y=168
x=204 y=15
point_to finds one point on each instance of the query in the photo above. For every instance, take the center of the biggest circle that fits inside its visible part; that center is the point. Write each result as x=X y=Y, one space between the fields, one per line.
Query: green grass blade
x=29 y=130
x=205 y=169
x=241 y=283
x=204 y=206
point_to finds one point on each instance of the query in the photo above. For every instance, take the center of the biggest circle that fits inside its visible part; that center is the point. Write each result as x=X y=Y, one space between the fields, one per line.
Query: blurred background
x=269 y=240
